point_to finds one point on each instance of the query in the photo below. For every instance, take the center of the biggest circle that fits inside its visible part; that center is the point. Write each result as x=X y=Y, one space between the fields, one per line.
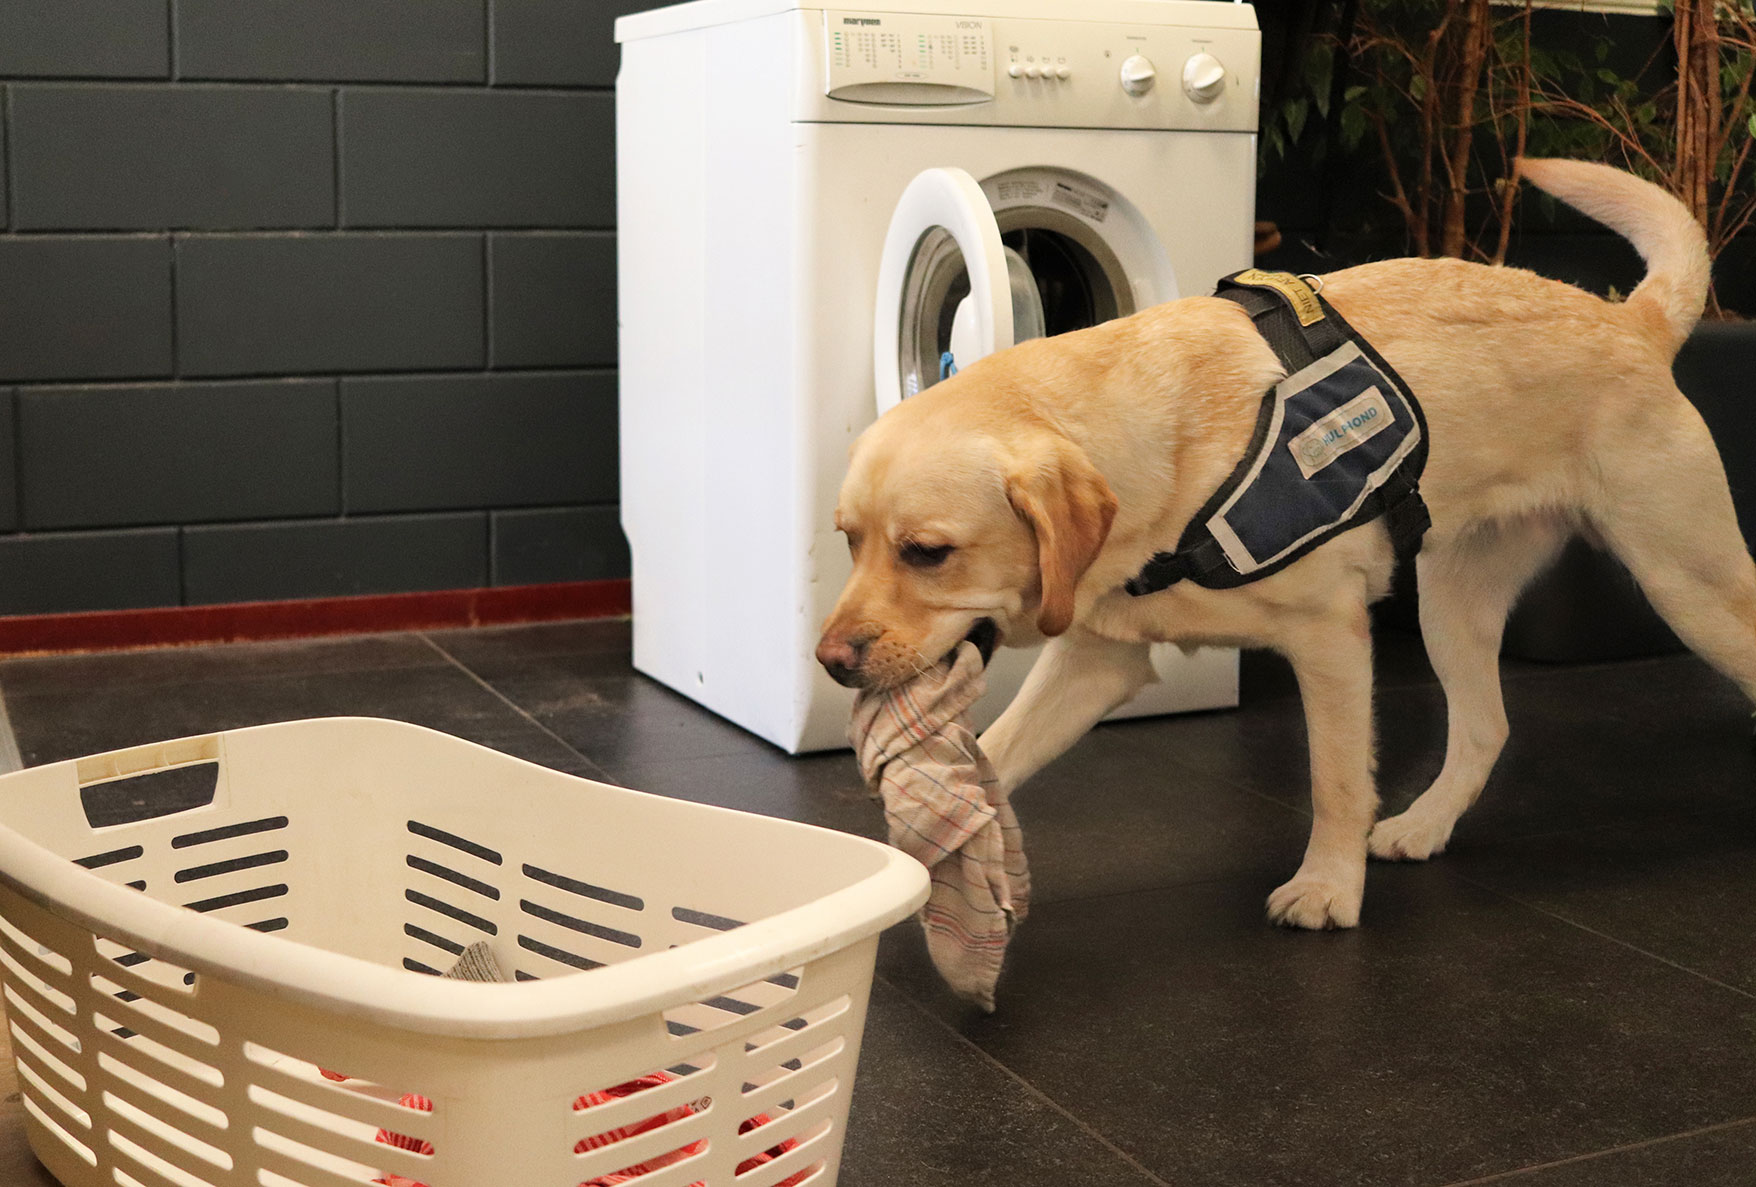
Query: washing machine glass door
x=949 y=292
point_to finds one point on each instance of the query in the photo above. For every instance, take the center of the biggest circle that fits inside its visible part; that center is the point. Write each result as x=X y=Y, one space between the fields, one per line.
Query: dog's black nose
x=842 y=658
x=843 y=675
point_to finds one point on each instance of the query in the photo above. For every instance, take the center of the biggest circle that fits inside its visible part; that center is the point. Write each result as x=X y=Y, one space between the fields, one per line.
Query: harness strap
x=1165 y=569
x=1405 y=513
x=1297 y=346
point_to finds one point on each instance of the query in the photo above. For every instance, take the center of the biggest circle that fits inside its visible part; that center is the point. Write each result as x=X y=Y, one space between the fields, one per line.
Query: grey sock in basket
x=477 y=964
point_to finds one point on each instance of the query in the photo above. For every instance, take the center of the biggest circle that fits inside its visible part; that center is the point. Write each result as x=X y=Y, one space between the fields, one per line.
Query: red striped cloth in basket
x=610 y=1137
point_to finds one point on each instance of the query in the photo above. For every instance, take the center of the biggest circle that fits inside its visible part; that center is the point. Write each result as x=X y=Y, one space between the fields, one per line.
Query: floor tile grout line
x=1544 y=830
x=1054 y=1105
x=10 y=758
x=1502 y=1176
x=1602 y=935
x=1221 y=779
x=508 y=701
x=1238 y=785
x=1099 y=896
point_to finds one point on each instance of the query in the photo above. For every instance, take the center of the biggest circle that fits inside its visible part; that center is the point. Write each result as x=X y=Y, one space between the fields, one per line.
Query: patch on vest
x=1345 y=429
x=1350 y=426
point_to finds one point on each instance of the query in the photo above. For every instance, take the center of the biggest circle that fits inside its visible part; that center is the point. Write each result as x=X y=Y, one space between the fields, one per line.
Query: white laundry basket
x=174 y=986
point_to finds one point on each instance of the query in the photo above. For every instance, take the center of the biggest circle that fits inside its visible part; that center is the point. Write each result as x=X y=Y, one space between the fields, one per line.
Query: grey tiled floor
x=1566 y=998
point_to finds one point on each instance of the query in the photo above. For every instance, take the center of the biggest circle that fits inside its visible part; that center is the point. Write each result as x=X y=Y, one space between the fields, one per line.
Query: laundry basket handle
x=56 y=812
x=143 y=760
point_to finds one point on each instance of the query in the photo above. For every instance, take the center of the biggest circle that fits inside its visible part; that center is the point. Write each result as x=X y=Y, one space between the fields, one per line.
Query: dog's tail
x=1659 y=226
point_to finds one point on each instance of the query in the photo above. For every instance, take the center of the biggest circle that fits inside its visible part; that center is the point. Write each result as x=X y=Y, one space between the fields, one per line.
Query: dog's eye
x=924 y=556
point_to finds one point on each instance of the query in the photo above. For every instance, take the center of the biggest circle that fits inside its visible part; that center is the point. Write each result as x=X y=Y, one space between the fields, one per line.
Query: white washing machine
x=820 y=211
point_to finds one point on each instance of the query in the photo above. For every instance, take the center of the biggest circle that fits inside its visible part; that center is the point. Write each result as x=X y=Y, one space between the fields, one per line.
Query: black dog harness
x=1339 y=442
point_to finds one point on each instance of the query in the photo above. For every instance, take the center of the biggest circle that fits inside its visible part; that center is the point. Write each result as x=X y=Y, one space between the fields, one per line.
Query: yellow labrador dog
x=1028 y=488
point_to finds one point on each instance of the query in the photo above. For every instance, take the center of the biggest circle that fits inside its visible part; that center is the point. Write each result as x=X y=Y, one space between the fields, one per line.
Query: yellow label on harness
x=1304 y=301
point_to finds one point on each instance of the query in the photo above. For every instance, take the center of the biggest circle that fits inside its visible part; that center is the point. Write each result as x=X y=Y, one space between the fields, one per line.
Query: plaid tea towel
x=946 y=810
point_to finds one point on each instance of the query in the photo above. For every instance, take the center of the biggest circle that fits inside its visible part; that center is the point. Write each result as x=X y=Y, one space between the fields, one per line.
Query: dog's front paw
x=1316 y=903
x=1412 y=836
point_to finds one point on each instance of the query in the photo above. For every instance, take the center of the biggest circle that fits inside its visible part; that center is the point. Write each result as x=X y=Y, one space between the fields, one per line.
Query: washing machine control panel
x=887 y=57
x=1010 y=72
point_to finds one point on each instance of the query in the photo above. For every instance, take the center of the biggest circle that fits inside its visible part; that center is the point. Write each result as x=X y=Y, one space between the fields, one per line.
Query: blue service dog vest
x=1338 y=443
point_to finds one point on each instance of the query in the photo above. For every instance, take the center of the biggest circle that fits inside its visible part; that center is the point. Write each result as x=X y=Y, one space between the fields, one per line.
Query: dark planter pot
x=1587 y=607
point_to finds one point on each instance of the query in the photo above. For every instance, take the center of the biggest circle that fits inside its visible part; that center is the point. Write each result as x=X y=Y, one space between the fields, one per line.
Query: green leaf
x=1602 y=50
x=1752 y=124
x=1353 y=93
x=1353 y=127
x=1417 y=87
x=1296 y=111
x=1320 y=75
x=1277 y=144
x=1605 y=74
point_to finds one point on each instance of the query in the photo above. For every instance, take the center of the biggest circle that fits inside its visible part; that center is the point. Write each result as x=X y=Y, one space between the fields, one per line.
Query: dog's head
x=954 y=516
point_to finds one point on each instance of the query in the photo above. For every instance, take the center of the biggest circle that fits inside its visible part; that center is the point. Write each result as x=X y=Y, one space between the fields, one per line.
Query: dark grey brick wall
x=333 y=40
x=304 y=298
x=498 y=440
x=85 y=307
x=447 y=158
x=280 y=304
x=543 y=289
x=177 y=453
x=121 y=157
x=84 y=39
x=324 y=558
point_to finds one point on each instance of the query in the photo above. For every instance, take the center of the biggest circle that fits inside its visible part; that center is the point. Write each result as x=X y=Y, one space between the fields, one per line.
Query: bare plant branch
x=1398 y=195
x=1475 y=101
x=1509 y=192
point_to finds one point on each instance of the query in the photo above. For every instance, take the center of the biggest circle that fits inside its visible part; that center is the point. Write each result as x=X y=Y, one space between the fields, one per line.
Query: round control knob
x=1032 y=71
x=1204 y=78
x=1062 y=72
x=1016 y=70
x=1138 y=75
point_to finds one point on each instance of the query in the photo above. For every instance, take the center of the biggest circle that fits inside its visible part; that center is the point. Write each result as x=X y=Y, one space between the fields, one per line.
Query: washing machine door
x=949 y=292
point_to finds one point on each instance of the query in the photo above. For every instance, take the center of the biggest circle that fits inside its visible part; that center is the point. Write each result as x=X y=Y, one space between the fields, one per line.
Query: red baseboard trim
x=112 y=630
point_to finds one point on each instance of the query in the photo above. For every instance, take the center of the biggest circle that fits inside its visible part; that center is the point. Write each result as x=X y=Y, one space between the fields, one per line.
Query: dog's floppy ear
x=1070 y=507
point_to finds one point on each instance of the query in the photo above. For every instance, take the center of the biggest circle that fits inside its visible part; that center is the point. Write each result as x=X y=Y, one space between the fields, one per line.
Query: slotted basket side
x=178 y=1040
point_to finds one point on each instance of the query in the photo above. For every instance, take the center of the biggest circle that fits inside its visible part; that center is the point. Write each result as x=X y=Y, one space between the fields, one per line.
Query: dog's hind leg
x=1467 y=586
x=1671 y=521
x=1078 y=678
